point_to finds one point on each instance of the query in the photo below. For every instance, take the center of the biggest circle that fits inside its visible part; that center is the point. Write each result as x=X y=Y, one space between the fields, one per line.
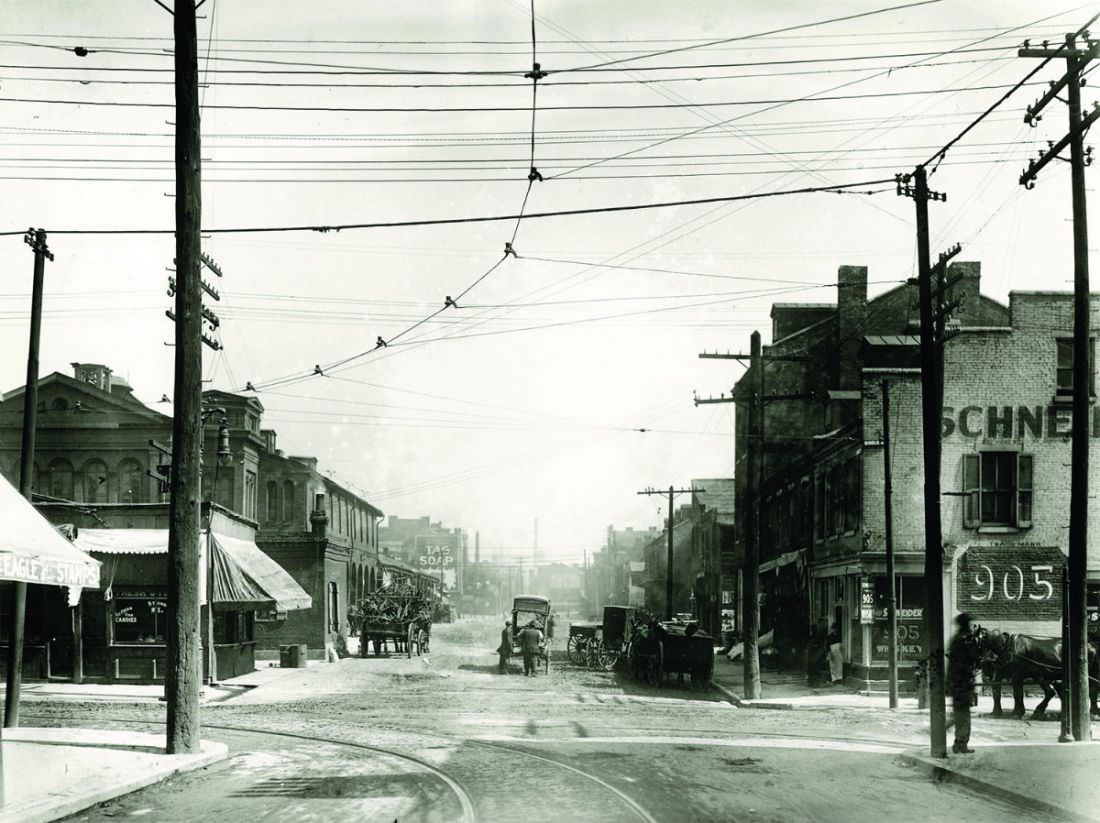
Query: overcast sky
x=479 y=417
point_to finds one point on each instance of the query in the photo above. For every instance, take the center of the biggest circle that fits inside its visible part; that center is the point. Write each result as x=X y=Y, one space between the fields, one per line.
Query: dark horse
x=1017 y=658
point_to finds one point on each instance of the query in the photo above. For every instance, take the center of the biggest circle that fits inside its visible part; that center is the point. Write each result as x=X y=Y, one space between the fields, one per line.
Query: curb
x=741 y=703
x=942 y=771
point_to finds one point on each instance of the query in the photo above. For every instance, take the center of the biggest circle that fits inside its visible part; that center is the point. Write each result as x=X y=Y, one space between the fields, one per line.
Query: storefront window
x=140 y=615
x=910 y=605
x=233 y=627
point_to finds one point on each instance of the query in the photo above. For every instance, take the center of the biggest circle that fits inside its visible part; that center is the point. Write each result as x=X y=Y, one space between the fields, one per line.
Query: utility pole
x=754 y=484
x=36 y=239
x=183 y=678
x=888 y=488
x=670 y=577
x=932 y=320
x=1071 y=81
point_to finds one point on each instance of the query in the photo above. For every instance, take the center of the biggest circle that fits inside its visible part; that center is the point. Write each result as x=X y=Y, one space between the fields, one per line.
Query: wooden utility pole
x=183 y=678
x=36 y=239
x=931 y=358
x=888 y=491
x=1071 y=81
x=670 y=578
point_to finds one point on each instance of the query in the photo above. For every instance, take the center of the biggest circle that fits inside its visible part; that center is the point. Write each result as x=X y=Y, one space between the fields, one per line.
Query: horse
x=1021 y=657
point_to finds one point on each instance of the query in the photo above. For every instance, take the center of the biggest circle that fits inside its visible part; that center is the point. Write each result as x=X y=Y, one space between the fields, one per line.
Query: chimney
x=269 y=440
x=967 y=290
x=851 y=313
x=318 y=520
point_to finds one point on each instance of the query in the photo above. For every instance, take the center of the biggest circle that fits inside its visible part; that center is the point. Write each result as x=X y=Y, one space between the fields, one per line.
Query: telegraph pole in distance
x=183 y=677
x=1071 y=81
x=670 y=611
x=931 y=357
x=888 y=488
x=36 y=239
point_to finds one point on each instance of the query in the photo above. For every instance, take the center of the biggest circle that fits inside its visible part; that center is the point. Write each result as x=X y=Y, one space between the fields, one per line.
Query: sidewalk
x=1054 y=778
x=788 y=690
x=1049 y=777
x=51 y=773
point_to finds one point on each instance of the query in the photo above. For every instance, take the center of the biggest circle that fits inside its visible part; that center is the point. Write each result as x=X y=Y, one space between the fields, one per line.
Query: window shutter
x=1023 y=490
x=972 y=488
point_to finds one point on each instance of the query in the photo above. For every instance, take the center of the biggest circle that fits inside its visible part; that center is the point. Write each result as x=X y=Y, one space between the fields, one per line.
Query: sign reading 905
x=1013 y=583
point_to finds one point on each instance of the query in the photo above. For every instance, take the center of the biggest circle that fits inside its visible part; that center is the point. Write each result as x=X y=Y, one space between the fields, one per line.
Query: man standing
x=529 y=641
x=505 y=648
x=962 y=662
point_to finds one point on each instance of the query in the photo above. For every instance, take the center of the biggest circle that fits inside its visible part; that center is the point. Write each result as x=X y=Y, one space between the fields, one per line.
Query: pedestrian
x=505 y=648
x=816 y=654
x=836 y=655
x=530 y=639
x=962 y=662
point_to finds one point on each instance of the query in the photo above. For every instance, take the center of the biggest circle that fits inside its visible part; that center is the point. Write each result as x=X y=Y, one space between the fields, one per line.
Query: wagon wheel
x=409 y=640
x=655 y=666
x=608 y=657
x=575 y=649
x=592 y=653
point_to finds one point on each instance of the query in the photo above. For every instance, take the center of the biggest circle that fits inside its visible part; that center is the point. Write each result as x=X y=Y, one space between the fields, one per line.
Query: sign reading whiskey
x=1015 y=583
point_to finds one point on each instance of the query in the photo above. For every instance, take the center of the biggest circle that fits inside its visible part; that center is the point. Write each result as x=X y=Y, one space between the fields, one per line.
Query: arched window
x=95 y=482
x=272 y=502
x=61 y=479
x=131 y=481
x=288 y=501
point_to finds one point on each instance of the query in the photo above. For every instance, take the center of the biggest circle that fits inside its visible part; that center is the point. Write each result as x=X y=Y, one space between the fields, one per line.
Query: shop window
x=233 y=626
x=1065 y=367
x=140 y=615
x=998 y=487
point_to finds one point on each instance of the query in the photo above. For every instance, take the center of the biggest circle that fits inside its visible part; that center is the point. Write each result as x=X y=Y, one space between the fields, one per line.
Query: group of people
x=531 y=641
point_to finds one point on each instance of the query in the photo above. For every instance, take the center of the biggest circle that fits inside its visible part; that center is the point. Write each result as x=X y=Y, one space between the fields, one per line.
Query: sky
x=561 y=383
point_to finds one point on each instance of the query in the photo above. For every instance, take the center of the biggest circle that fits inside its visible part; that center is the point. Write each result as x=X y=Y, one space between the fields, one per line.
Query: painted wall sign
x=866 y=600
x=1011 y=422
x=1017 y=583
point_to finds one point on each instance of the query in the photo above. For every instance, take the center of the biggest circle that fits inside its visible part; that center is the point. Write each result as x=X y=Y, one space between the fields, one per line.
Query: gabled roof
x=118 y=402
x=717 y=494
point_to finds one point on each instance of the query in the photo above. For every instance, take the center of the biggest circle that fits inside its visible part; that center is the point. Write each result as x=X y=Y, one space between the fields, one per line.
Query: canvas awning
x=32 y=551
x=243 y=575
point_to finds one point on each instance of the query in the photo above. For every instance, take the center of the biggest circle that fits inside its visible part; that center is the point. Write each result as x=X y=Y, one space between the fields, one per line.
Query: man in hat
x=505 y=647
x=530 y=639
x=962 y=661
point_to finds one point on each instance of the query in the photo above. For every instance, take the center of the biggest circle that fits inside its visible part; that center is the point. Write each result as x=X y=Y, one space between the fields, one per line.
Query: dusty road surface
x=443 y=738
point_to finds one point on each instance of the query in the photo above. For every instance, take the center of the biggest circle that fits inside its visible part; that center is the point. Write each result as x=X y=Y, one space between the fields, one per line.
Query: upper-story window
x=250 y=494
x=131 y=481
x=998 y=488
x=288 y=500
x=1065 y=366
x=274 y=515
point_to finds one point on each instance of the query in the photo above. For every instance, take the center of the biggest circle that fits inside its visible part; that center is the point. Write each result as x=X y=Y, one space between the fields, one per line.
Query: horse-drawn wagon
x=661 y=648
x=399 y=613
x=533 y=610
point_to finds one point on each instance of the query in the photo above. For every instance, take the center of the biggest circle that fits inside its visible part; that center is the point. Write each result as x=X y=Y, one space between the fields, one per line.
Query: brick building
x=428 y=548
x=1004 y=471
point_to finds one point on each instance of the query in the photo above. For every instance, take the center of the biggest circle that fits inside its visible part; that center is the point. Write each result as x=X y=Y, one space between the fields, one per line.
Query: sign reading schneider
x=1011 y=422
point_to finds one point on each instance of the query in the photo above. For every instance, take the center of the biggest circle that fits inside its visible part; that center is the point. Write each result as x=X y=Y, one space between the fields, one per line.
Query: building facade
x=1005 y=481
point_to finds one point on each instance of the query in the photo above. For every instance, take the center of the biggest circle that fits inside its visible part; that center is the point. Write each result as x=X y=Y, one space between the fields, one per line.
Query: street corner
x=51 y=773
x=1024 y=773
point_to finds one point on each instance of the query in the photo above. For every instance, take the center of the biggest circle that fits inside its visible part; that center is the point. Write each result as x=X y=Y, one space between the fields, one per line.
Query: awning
x=780 y=561
x=243 y=575
x=32 y=551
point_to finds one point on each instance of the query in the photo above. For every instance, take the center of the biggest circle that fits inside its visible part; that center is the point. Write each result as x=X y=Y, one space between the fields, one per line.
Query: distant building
x=428 y=547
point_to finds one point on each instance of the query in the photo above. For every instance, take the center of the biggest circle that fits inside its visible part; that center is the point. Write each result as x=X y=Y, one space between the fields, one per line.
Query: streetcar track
x=460 y=793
